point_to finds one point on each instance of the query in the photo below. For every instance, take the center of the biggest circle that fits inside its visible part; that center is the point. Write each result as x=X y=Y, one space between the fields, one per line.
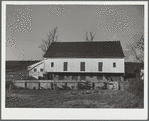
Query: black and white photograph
x=60 y=57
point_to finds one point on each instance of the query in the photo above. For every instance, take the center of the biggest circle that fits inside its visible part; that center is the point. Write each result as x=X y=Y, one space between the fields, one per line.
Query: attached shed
x=36 y=70
x=132 y=69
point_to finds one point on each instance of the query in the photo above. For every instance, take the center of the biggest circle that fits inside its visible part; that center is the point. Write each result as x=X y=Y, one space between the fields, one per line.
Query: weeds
x=130 y=98
x=136 y=87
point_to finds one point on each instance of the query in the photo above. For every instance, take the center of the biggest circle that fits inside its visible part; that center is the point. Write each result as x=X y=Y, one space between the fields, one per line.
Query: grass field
x=72 y=99
x=66 y=98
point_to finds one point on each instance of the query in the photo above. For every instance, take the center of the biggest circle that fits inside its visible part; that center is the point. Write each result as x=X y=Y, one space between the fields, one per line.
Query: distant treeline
x=19 y=65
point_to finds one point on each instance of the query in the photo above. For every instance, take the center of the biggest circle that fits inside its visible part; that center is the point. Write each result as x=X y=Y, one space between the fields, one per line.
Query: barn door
x=50 y=76
x=100 y=66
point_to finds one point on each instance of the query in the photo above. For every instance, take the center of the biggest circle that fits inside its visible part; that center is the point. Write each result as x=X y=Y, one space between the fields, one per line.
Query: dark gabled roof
x=100 y=49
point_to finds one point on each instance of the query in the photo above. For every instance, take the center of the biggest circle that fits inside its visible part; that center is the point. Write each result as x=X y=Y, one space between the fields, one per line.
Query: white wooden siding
x=91 y=65
x=36 y=73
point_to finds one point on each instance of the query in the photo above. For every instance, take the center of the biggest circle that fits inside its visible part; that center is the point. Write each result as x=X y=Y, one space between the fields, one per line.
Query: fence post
x=28 y=74
x=52 y=86
x=25 y=85
x=38 y=85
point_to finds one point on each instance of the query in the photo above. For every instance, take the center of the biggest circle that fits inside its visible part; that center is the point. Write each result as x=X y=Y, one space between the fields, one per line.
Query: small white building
x=36 y=70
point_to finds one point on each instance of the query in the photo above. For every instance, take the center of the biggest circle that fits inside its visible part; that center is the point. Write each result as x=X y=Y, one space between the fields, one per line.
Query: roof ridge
x=88 y=42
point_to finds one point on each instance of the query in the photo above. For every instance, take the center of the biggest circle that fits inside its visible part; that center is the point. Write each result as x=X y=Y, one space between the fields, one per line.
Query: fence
x=51 y=84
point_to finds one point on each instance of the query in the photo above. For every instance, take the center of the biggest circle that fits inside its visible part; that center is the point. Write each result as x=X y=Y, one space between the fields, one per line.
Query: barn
x=100 y=61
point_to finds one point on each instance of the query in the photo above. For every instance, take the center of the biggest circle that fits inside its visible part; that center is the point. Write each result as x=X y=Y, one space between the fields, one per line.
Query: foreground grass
x=72 y=99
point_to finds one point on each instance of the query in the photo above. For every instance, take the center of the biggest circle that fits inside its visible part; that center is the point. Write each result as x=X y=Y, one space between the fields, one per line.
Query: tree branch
x=52 y=36
x=89 y=36
x=139 y=46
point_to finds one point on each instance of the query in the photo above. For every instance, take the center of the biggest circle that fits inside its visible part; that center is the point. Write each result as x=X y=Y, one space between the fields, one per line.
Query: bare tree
x=139 y=47
x=89 y=36
x=52 y=36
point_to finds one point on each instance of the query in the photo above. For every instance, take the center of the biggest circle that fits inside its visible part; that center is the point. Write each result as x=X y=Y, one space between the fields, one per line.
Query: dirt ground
x=71 y=99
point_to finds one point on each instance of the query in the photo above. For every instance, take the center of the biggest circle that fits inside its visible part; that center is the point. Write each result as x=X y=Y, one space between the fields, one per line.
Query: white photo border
x=63 y=113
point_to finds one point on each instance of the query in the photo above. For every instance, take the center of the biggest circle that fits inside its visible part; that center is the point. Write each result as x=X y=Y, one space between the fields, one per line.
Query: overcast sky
x=27 y=25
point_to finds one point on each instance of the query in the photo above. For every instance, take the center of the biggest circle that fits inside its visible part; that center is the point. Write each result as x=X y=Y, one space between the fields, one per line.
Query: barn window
x=114 y=64
x=99 y=66
x=65 y=77
x=35 y=69
x=74 y=77
x=50 y=76
x=61 y=77
x=56 y=76
x=99 y=77
x=65 y=66
x=91 y=76
x=41 y=70
x=52 y=64
x=82 y=77
x=82 y=66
